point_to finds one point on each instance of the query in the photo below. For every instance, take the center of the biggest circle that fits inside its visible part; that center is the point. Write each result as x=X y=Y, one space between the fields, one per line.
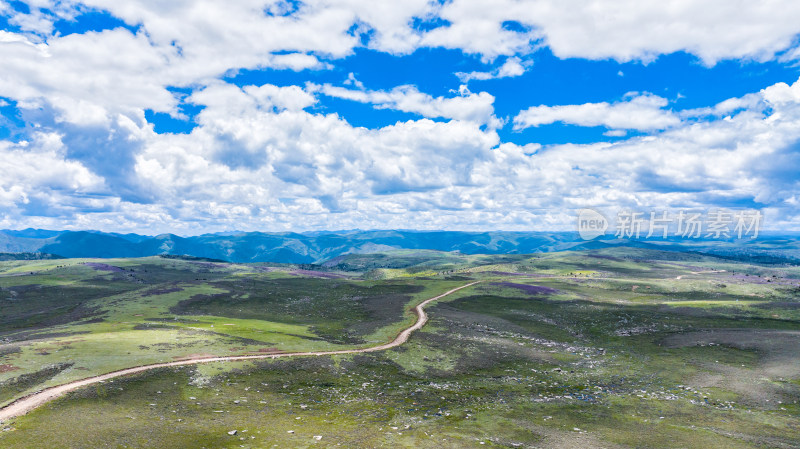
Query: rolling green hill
x=613 y=347
x=319 y=247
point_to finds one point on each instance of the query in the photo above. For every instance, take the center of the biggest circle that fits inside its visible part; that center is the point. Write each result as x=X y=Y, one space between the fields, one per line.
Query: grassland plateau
x=618 y=347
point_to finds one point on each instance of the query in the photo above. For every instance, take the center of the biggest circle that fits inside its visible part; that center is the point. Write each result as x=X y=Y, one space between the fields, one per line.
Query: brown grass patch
x=194 y=356
x=7 y=368
x=268 y=350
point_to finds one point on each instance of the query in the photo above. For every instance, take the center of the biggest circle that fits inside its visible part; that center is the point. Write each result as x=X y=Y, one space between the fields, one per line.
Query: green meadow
x=607 y=348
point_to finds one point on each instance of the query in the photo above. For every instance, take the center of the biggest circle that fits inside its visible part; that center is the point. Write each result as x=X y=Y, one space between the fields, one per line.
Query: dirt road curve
x=28 y=403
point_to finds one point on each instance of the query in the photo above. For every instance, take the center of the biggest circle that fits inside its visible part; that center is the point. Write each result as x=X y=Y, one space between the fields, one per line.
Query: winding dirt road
x=24 y=405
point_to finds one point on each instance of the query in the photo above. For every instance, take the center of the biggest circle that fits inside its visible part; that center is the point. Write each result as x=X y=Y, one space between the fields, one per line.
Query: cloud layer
x=274 y=156
x=640 y=112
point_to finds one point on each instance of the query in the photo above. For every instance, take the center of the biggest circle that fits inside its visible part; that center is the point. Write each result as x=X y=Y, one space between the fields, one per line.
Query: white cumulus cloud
x=643 y=112
x=264 y=157
x=624 y=30
x=512 y=67
x=478 y=108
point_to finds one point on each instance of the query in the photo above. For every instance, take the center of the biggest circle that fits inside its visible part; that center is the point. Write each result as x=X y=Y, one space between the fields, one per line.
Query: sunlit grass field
x=608 y=348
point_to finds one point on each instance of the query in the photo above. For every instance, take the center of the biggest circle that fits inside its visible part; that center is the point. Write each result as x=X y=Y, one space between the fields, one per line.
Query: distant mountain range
x=317 y=247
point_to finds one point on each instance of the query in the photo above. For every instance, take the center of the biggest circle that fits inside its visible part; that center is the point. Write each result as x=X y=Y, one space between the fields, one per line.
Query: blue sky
x=194 y=117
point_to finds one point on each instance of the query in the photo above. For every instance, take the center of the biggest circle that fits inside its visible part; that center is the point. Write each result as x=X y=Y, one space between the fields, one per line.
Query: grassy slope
x=66 y=320
x=619 y=353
